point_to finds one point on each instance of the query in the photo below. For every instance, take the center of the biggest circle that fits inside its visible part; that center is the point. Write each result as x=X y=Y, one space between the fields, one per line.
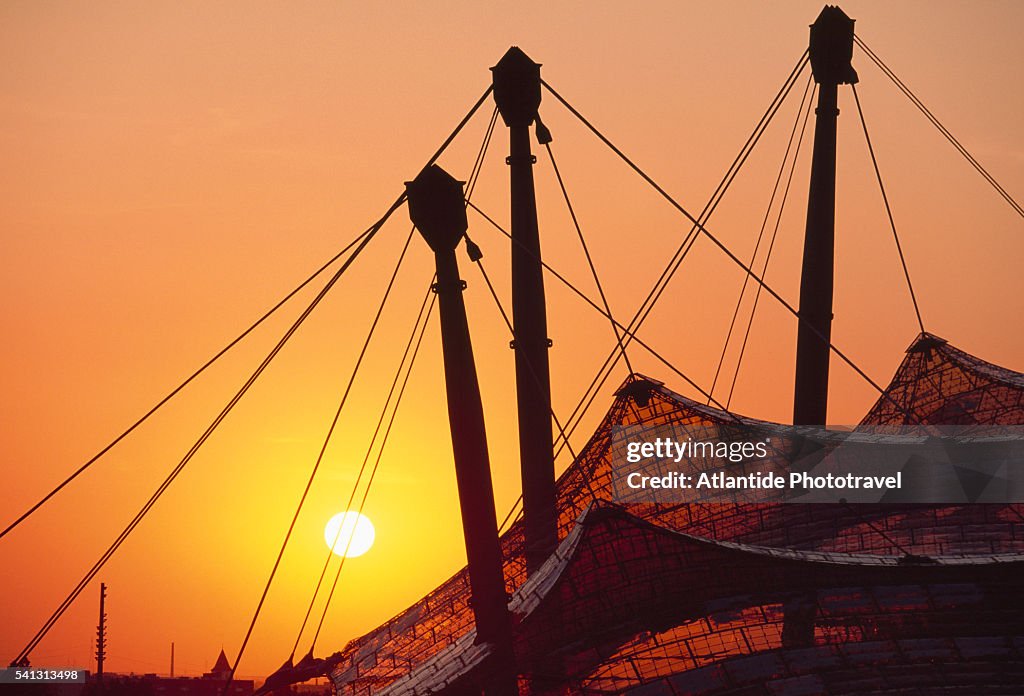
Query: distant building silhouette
x=221 y=668
x=210 y=684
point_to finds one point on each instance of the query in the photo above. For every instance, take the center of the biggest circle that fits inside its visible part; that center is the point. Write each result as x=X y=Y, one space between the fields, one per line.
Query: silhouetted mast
x=831 y=50
x=517 y=93
x=438 y=210
x=101 y=634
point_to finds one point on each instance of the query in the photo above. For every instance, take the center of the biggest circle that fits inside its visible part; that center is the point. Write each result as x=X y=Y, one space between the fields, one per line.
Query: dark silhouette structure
x=221 y=667
x=715 y=598
x=517 y=94
x=212 y=683
x=692 y=599
x=101 y=634
x=831 y=50
x=438 y=210
x=583 y=595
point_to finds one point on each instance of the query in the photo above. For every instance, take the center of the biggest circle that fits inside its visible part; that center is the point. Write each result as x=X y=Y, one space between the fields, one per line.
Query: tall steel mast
x=517 y=94
x=438 y=210
x=831 y=50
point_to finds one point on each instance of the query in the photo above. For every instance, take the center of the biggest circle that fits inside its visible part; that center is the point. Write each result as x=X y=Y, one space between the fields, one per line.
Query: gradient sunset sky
x=171 y=169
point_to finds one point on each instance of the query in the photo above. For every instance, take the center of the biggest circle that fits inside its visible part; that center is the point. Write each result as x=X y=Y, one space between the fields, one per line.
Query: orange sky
x=172 y=169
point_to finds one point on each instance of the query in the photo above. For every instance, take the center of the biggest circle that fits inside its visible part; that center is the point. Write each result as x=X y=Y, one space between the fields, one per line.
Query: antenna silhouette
x=101 y=634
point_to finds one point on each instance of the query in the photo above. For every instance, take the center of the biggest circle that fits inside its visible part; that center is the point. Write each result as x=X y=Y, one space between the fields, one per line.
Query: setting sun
x=349 y=534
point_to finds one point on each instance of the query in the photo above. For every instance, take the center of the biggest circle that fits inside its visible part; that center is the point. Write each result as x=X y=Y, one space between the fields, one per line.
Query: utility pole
x=517 y=94
x=172 y=659
x=831 y=50
x=101 y=634
x=438 y=209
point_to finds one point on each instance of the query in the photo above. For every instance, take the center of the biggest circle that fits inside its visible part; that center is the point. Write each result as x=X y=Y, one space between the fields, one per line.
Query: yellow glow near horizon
x=349 y=534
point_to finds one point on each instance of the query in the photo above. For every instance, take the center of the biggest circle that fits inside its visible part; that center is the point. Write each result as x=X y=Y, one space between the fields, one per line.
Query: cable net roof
x=938 y=384
x=623 y=601
x=430 y=645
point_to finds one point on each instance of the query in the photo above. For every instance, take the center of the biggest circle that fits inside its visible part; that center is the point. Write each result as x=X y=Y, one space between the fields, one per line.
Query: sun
x=349 y=534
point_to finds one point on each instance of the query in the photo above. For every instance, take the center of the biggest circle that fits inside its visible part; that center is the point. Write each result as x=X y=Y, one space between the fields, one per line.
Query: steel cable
x=888 y=209
x=771 y=247
x=760 y=233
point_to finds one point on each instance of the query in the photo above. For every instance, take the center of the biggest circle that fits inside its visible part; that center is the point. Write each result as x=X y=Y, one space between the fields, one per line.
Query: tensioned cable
x=474 y=253
x=479 y=163
x=373 y=439
x=444 y=145
x=760 y=233
x=712 y=204
x=681 y=252
x=472 y=180
x=565 y=443
x=511 y=331
x=471 y=183
x=184 y=384
x=938 y=125
x=362 y=468
x=572 y=429
x=586 y=253
x=476 y=256
x=888 y=209
x=735 y=259
x=206 y=434
x=771 y=247
x=703 y=229
x=590 y=394
x=237 y=339
x=512 y=510
x=373 y=471
x=327 y=440
x=598 y=308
